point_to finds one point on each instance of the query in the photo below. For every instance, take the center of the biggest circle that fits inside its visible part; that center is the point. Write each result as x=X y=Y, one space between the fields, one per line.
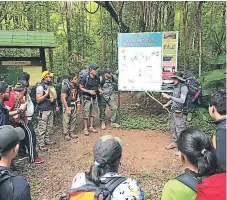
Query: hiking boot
x=171 y=146
x=73 y=135
x=91 y=129
x=38 y=160
x=86 y=132
x=115 y=125
x=42 y=148
x=67 y=138
x=103 y=126
x=23 y=157
x=49 y=142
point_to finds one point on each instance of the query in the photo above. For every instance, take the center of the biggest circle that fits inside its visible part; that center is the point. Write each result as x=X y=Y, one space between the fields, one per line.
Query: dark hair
x=197 y=147
x=97 y=171
x=71 y=76
x=3 y=86
x=24 y=76
x=218 y=100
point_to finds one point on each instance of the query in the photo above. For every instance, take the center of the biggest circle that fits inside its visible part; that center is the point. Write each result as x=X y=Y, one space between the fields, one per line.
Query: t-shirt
x=39 y=90
x=175 y=190
x=4 y=115
x=130 y=189
x=21 y=189
x=90 y=84
x=71 y=94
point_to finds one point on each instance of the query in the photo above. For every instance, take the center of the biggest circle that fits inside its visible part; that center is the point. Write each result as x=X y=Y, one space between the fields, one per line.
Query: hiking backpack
x=92 y=191
x=5 y=178
x=211 y=188
x=194 y=92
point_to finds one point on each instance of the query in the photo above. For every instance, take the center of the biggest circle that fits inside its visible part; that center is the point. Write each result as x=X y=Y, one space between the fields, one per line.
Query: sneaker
x=23 y=157
x=73 y=135
x=91 y=129
x=49 y=142
x=103 y=126
x=38 y=160
x=86 y=132
x=67 y=138
x=171 y=146
x=115 y=125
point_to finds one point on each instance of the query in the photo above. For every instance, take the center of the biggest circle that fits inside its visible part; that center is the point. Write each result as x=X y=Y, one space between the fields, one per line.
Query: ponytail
x=197 y=147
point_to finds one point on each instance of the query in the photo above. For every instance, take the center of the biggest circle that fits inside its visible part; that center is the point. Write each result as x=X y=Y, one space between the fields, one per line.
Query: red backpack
x=211 y=188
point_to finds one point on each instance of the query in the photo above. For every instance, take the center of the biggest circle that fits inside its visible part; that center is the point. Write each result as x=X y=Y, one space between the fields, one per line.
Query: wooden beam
x=20 y=61
x=43 y=58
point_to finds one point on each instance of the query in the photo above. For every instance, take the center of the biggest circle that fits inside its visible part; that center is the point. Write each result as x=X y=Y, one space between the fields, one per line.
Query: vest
x=46 y=105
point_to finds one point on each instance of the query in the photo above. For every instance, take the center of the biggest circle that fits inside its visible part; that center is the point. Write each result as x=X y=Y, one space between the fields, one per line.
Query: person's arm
x=10 y=104
x=41 y=95
x=83 y=89
x=63 y=98
x=183 y=96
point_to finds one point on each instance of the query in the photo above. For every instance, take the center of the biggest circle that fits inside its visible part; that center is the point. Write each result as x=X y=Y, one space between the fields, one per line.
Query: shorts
x=89 y=108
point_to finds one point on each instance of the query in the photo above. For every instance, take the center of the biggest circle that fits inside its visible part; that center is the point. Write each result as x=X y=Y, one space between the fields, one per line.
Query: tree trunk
x=185 y=30
x=69 y=39
x=200 y=36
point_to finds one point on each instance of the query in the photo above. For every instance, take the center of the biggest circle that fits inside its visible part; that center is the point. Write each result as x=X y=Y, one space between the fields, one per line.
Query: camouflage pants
x=69 y=122
x=45 y=126
x=177 y=125
x=113 y=107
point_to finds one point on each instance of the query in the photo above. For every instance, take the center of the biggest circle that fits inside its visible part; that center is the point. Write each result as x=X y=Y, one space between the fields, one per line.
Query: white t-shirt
x=130 y=189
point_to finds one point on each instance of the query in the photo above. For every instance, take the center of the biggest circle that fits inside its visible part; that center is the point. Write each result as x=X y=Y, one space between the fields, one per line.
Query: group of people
x=204 y=159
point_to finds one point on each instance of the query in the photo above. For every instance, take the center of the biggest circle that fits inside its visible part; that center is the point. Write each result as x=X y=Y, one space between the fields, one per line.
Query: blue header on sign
x=140 y=40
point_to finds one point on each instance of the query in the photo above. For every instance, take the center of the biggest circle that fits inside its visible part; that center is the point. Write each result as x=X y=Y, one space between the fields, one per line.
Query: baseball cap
x=9 y=137
x=47 y=74
x=107 y=70
x=21 y=84
x=92 y=67
x=3 y=86
x=107 y=150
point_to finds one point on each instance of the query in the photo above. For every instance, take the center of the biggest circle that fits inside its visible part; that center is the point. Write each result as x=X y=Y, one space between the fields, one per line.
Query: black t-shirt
x=90 y=84
x=71 y=93
x=21 y=189
x=4 y=115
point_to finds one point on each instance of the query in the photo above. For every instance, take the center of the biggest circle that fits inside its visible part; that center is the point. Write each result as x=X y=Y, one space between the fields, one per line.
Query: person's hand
x=100 y=91
x=68 y=111
x=92 y=92
x=164 y=106
x=23 y=106
x=166 y=96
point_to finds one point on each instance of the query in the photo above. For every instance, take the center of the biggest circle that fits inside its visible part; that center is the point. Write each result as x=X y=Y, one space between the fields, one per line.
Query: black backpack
x=102 y=191
x=5 y=178
x=194 y=93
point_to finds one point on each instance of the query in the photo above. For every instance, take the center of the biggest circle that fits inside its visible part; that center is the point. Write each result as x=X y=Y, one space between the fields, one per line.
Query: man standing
x=89 y=85
x=4 y=96
x=14 y=186
x=46 y=98
x=107 y=82
x=69 y=98
x=177 y=101
x=217 y=110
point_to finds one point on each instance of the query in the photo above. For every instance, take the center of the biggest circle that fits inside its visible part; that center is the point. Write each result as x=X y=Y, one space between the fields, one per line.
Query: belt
x=89 y=98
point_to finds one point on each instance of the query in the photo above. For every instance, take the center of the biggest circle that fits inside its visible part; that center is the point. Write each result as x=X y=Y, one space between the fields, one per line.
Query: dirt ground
x=144 y=158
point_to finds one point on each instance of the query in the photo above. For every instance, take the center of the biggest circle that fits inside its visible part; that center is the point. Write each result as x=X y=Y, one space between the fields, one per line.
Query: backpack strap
x=189 y=180
x=86 y=81
x=7 y=175
x=108 y=188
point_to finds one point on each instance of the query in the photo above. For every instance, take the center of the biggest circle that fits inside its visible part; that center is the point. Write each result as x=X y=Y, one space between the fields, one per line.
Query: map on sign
x=140 y=60
x=146 y=60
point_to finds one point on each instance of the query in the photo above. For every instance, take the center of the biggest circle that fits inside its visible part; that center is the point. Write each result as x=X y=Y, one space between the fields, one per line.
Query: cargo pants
x=45 y=126
x=113 y=107
x=177 y=125
x=69 y=121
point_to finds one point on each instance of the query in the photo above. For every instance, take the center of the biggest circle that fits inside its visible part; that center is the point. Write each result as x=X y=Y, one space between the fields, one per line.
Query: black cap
x=107 y=70
x=3 y=86
x=107 y=150
x=9 y=137
x=21 y=84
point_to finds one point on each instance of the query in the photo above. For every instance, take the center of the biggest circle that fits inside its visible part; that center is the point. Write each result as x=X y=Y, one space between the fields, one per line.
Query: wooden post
x=43 y=58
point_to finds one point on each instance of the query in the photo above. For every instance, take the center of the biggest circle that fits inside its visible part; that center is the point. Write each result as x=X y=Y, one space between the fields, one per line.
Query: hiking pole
x=157 y=101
